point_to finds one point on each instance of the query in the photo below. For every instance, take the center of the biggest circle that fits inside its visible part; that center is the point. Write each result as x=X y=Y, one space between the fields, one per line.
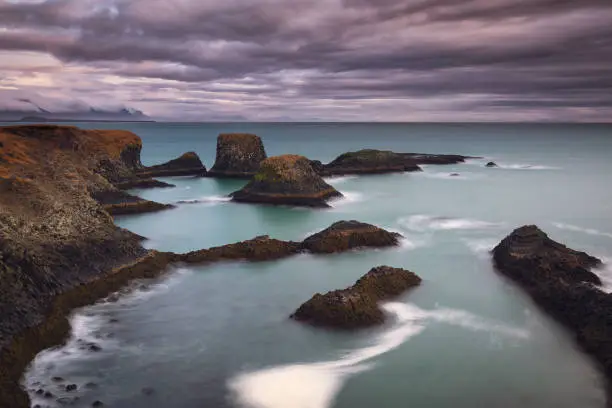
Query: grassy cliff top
x=288 y=167
x=237 y=137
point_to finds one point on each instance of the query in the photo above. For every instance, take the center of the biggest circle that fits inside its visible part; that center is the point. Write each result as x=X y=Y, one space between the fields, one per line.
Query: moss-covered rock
x=289 y=180
x=238 y=155
x=358 y=305
x=372 y=161
x=346 y=235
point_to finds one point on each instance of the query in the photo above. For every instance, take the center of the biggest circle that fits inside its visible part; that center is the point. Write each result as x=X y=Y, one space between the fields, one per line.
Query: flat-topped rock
x=372 y=161
x=369 y=161
x=188 y=164
x=287 y=180
x=238 y=155
x=347 y=235
x=357 y=306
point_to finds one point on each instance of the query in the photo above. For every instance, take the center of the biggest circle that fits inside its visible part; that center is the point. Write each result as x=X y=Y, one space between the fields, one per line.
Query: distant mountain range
x=90 y=114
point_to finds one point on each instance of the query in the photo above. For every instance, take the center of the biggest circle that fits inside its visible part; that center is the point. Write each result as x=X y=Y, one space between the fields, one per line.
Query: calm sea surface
x=219 y=336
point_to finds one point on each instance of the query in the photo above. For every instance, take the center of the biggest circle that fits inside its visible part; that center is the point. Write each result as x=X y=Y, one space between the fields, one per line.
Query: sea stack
x=287 y=180
x=346 y=235
x=238 y=155
x=357 y=306
x=370 y=161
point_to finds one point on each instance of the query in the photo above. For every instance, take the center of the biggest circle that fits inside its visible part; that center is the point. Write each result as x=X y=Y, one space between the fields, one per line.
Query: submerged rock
x=491 y=164
x=560 y=281
x=97 y=404
x=346 y=235
x=238 y=155
x=188 y=164
x=358 y=305
x=287 y=179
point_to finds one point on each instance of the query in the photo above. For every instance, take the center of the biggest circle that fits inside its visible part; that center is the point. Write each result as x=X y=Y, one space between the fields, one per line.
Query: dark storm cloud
x=526 y=54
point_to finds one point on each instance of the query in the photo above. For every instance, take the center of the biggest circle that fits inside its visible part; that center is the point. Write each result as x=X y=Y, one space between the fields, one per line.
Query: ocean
x=219 y=336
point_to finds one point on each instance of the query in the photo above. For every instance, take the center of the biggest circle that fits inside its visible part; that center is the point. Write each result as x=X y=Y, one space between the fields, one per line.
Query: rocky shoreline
x=560 y=281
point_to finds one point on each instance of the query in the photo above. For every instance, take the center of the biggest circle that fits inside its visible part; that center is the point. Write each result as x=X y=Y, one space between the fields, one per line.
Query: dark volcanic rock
x=371 y=161
x=358 y=305
x=491 y=164
x=189 y=164
x=238 y=155
x=142 y=184
x=288 y=179
x=559 y=280
x=346 y=235
x=71 y=387
x=117 y=202
x=97 y=404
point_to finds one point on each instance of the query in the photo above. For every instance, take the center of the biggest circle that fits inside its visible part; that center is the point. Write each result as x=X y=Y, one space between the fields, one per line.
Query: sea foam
x=210 y=200
x=575 y=228
x=315 y=385
x=421 y=223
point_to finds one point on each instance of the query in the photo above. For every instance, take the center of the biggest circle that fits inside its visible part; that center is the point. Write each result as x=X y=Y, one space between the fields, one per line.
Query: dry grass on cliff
x=288 y=167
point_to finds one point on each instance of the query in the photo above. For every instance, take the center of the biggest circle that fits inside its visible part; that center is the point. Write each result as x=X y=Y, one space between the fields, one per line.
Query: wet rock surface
x=560 y=281
x=238 y=155
x=357 y=306
x=287 y=180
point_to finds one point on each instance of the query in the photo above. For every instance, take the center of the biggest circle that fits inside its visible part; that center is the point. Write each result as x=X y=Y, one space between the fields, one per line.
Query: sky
x=312 y=60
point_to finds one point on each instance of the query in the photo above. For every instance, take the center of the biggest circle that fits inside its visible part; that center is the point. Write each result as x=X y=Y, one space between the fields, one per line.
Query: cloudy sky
x=346 y=60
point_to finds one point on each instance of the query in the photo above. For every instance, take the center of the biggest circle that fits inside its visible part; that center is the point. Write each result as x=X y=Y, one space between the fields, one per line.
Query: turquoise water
x=219 y=336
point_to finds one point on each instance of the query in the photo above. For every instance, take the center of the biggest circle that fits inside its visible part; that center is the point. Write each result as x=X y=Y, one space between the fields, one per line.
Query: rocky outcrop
x=491 y=164
x=238 y=155
x=346 y=235
x=188 y=164
x=560 y=281
x=143 y=183
x=117 y=202
x=358 y=305
x=371 y=161
x=286 y=180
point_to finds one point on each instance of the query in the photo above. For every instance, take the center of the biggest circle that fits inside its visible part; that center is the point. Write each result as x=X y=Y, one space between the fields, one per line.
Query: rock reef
x=286 y=180
x=560 y=281
x=188 y=164
x=357 y=306
x=371 y=161
x=346 y=235
x=238 y=155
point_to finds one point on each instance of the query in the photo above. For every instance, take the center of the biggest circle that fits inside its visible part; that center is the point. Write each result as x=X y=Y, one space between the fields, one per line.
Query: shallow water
x=219 y=336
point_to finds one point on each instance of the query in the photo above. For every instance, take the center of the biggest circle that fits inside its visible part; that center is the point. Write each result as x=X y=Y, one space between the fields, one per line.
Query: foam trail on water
x=338 y=179
x=481 y=246
x=451 y=175
x=605 y=273
x=523 y=166
x=575 y=228
x=316 y=385
x=350 y=197
x=211 y=200
x=422 y=223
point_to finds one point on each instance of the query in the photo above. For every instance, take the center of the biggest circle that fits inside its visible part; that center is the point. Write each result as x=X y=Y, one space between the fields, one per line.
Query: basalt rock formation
x=371 y=161
x=289 y=180
x=188 y=164
x=357 y=306
x=560 y=281
x=346 y=235
x=117 y=202
x=238 y=155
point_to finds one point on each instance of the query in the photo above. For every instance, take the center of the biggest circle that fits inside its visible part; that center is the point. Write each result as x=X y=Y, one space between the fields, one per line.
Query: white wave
x=451 y=175
x=315 y=385
x=523 y=166
x=210 y=200
x=349 y=197
x=421 y=223
x=481 y=246
x=605 y=273
x=338 y=179
x=89 y=326
x=590 y=231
